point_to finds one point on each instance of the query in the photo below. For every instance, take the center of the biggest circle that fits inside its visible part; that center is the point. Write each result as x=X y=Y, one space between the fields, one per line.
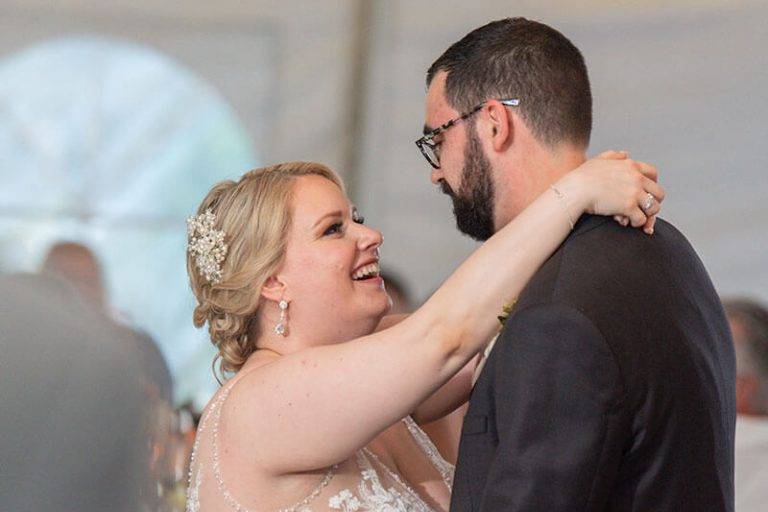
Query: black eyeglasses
x=431 y=149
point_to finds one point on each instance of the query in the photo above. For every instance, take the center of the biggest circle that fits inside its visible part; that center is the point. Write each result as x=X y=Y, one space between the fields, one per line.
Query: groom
x=611 y=386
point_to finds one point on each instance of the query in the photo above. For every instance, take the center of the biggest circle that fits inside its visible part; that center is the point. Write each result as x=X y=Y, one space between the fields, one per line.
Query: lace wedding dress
x=362 y=483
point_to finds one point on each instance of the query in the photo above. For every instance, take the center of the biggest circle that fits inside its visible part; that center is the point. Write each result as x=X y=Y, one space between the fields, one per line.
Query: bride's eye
x=333 y=229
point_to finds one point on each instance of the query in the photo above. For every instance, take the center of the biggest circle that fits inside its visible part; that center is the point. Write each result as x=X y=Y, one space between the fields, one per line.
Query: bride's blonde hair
x=254 y=213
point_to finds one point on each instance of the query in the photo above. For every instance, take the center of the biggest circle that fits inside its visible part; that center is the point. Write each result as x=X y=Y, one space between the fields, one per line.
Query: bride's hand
x=612 y=184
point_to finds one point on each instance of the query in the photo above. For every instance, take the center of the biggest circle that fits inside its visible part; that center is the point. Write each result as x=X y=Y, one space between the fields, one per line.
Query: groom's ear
x=500 y=125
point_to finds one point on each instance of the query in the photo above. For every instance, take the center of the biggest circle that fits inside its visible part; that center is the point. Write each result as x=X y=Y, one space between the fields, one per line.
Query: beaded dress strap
x=445 y=468
x=193 y=488
x=231 y=501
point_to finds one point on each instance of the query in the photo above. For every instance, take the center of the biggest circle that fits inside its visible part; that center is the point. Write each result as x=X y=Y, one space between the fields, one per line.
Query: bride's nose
x=369 y=238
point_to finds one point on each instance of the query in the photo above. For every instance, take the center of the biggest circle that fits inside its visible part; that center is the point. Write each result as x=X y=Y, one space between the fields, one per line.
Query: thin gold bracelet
x=561 y=197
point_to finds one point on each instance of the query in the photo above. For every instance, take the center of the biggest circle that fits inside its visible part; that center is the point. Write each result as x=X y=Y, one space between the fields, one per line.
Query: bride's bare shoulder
x=250 y=383
x=242 y=411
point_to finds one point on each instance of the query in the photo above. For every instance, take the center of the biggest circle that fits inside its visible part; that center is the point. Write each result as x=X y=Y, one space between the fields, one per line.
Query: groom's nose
x=436 y=176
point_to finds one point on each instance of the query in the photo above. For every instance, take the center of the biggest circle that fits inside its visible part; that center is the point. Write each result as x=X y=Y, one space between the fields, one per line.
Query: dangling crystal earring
x=282 y=325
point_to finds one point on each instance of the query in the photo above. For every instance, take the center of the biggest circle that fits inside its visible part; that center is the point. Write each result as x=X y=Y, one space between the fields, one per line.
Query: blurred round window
x=112 y=145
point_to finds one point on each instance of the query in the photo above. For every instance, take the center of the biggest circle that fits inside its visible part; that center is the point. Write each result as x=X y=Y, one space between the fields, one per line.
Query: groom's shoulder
x=601 y=246
x=601 y=255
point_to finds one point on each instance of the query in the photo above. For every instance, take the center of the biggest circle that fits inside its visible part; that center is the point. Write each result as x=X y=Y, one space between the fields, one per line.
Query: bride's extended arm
x=314 y=408
x=450 y=396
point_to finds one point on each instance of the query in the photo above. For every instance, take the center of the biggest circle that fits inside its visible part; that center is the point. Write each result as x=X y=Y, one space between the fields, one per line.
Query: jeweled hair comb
x=206 y=244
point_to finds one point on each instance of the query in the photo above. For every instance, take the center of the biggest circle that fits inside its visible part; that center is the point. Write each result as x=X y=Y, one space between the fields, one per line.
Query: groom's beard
x=473 y=205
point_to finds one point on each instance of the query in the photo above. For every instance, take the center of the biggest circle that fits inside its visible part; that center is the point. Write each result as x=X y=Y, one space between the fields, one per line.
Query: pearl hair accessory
x=206 y=244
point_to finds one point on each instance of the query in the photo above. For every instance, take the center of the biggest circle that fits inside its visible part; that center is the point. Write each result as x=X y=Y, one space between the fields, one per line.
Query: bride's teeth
x=368 y=270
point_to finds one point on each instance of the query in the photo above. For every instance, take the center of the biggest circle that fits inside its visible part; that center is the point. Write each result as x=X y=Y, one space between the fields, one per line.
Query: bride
x=322 y=410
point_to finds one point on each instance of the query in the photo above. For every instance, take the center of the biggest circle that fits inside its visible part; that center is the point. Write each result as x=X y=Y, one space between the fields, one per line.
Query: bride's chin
x=383 y=310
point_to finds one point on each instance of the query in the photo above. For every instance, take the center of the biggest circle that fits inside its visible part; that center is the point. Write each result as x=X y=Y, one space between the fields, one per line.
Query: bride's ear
x=273 y=289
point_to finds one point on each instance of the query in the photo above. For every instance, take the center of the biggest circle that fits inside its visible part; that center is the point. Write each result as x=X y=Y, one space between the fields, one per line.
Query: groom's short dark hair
x=519 y=58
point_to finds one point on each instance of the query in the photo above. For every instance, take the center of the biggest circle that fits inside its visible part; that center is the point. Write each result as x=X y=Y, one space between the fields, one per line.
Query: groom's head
x=524 y=89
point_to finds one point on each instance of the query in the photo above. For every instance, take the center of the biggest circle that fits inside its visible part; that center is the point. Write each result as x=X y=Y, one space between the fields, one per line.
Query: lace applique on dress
x=345 y=501
x=372 y=496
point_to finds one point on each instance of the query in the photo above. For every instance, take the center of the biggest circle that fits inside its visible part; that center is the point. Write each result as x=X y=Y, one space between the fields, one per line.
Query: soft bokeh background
x=116 y=117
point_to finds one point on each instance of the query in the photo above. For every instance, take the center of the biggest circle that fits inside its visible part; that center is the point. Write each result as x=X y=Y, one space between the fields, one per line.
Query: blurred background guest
x=77 y=265
x=749 y=324
x=74 y=411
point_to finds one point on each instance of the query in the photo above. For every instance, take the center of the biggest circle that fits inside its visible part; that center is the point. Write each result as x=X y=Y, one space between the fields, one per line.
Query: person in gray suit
x=74 y=419
x=611 y=385
x=78 y=266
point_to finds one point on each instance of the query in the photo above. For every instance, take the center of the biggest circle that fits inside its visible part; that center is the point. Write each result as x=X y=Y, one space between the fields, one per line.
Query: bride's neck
x=300 y=336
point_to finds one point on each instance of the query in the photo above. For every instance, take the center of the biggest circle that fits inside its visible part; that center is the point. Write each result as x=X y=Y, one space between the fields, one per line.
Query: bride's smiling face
x=331 y=265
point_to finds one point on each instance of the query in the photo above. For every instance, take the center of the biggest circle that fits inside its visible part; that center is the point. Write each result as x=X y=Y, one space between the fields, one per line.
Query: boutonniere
x=505 y=312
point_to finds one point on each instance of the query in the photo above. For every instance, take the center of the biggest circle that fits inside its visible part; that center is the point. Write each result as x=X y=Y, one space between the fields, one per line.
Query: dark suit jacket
x=611 y=387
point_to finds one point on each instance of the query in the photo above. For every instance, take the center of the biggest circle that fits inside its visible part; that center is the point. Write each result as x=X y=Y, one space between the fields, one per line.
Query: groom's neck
x=531 y=178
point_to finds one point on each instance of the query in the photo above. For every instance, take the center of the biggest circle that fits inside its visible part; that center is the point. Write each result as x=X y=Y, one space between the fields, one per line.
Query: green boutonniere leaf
x=505 y=312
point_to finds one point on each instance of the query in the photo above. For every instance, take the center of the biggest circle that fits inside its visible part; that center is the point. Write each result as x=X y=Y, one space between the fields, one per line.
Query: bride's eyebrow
x=336 y=213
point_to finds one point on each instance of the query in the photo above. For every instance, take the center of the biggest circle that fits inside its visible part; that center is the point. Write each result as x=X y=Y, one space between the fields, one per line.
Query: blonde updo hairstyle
x=255 y=215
